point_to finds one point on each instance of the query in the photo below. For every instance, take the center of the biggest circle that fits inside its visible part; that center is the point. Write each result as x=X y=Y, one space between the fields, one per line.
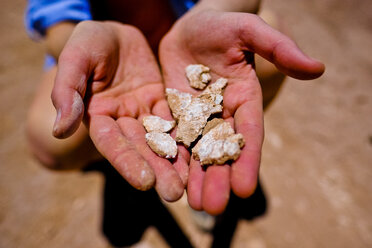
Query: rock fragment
x=214 y=92
x=212 y=124
x=157 y=138
x=198 y=75
x=177 y=101
x=216 y=88
x=162 y=144
x=154 y=123
x=218 y=145
x=192 y=113
x=193 y=120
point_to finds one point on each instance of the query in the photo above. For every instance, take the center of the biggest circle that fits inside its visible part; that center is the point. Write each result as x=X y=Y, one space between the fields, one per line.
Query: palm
x=124 y=85
x=221 y=41
x=116 y=129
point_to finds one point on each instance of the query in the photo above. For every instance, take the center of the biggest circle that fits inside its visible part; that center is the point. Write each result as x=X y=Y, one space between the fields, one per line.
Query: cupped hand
x=226 y=42
x=108 y=77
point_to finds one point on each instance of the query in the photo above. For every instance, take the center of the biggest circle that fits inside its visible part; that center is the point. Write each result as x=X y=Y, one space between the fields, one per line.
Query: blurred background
x=317 y=157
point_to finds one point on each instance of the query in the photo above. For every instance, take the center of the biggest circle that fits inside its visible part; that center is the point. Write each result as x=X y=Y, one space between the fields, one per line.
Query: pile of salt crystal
x=219 y=142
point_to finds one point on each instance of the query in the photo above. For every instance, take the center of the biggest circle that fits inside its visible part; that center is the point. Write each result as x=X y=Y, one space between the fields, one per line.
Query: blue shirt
x=41 y=14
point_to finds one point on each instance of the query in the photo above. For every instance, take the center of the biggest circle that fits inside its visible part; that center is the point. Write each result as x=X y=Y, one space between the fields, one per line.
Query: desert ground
x=316 y=165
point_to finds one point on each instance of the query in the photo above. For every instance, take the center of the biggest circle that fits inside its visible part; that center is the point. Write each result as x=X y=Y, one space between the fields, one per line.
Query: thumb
x=68 y=92
x=278 y=48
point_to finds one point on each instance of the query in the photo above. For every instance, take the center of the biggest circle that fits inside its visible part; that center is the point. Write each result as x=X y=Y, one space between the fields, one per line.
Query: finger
x=279 y=49
x=162 y=110
x=248 y=120
x=180 y=163
x=195 y=185
x=244 y=172
x=113 y=145
x=168 y=183
x=216 y=189
x=68 y=93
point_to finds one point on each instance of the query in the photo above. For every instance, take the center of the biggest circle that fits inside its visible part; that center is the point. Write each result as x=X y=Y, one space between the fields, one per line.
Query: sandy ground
x=316 y=165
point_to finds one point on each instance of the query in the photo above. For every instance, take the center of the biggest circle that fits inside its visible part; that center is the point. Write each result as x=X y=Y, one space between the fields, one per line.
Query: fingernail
x=146 y=177
x=56 y=122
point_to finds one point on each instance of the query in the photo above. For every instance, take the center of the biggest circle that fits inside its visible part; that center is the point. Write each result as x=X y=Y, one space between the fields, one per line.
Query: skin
x=57 y=36
x=57 y=154
x=120 y=83
x=191 y=42
x=111 y=79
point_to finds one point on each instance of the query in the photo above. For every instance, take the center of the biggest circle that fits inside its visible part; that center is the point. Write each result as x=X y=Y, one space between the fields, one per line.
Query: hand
x=108 y=76
x=223 y=41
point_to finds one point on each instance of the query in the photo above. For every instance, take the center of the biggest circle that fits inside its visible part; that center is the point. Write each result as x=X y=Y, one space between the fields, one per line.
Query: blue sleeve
x=182 y=6
x=41 y=14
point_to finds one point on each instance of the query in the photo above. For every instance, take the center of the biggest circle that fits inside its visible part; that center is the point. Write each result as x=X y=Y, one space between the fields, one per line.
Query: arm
x=248 y=6
x=57 y=36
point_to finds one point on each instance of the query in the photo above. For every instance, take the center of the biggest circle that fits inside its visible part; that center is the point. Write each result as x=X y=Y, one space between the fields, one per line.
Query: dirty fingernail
x=56 y=123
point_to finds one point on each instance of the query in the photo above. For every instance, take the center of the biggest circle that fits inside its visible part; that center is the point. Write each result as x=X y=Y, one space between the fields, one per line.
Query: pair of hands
x=108 y=77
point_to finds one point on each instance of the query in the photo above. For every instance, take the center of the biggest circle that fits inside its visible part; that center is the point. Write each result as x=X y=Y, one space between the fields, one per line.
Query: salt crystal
x=162 y=144
x=154 y=123
x=218 y=145
x=198 y=76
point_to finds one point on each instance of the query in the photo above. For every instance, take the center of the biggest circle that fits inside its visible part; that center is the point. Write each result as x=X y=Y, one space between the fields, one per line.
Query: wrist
x=248 y=6
x=57 y=36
